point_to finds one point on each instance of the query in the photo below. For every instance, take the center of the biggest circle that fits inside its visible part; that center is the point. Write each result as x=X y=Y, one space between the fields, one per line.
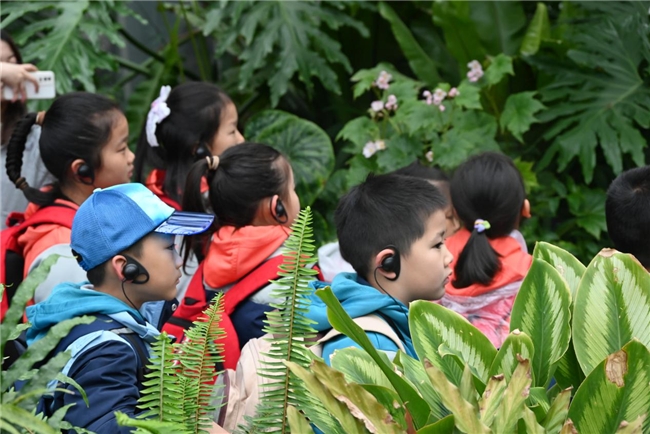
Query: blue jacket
x=102 y=363
x=358 y=298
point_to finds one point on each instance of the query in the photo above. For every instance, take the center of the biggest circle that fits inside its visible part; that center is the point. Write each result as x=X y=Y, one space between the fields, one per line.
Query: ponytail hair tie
x=213 y=162
x=21 y=183
x=481 y=225
x=40 y=117
x=157 y=113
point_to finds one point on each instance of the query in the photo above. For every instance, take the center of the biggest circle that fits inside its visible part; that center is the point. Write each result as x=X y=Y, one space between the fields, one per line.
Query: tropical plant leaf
x=499 y=25
x=542 y=310
x=64 y=39
x=612 y=307
x=358 y=367
x=530 y=421
x=568 y=372
x=464 y=414
x=13 y=417
x=423 y=66
x=415 y=373
x=307 y=147
x=570 y=268
x=276 y=41
x=361 y=403
x=519 y=113
x=491 y=399
x=443 y=426
x=558 y=412
x=149 y=426
x=432 y=325
x=364 y=79
x=338 y=409
x=505 y=362
x=621 y=384
x=599 y=99
x=514 y=398
x=538 y=30
x=460 y=33
x=297 y=422
x=500 y=66
x=341 y=321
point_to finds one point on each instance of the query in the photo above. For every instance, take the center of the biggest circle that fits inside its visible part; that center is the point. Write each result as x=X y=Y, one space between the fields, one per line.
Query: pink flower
x=391 y=102
x=429 y=156
x=441 y=107
x=428 y=96
x=372 y=147
x=475 y=71
x=453 y=92
x=438 y=96
x=377 y=106
x=383 y=80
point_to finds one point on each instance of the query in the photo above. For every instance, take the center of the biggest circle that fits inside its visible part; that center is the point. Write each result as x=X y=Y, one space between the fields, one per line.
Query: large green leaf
x=415 y=373
x=341 y=321
x=65 y=38
x=514 y=398
x=433 y=325
x=616 y=390
x=612 y=307
x=516 y=344
x=602 y=97
x=297 y=422
x=542 y=310
x=557 y=413
x=564 y=262
x=421 y=64
x=459 y=31
x=499 y=25
x=358 y=367
x=443 y=426
x=276 y=41
x=307 y=147
x=519 y=113
x=538 y=29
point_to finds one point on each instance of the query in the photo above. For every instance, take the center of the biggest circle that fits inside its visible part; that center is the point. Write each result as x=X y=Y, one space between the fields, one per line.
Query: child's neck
x=115 y=290
x=76 y=193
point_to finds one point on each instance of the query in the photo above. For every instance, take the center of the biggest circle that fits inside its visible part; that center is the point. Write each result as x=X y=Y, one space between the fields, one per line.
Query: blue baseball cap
x=113 y=219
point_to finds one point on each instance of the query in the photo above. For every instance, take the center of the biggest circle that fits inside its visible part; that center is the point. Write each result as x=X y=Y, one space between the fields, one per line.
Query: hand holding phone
x=18 y=82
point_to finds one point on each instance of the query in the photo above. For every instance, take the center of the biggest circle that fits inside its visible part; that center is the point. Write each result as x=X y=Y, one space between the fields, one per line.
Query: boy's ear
x=378 y=262
x=116 y=266
x=525 y=209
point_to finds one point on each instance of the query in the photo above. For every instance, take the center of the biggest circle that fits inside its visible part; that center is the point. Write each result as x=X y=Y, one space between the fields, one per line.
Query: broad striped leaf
x=564 y=262
x=443 y=426
x=297 y=422
x=514 y=398
x=612 y=307
x=542 y=310
x=358 y=367
x=433 y=325
x=415 y=373
x=616 y=390
x=557 y=414
x=517 y=343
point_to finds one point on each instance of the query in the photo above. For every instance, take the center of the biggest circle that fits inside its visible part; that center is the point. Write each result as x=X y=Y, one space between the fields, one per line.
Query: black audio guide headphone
x=132 y=270
x=391 y=263
x=280 y=213
x=86 y=174
x=201 y=152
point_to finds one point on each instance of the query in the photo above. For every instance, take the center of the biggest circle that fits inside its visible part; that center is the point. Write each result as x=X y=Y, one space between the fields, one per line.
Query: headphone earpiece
x=201 y=152
x=391 y=263
x=279 y=209
x=133 y=269
x=86 y=174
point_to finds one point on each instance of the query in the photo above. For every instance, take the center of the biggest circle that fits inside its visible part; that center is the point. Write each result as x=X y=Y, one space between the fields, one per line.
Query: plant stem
x=199 y=58
x=132 y=66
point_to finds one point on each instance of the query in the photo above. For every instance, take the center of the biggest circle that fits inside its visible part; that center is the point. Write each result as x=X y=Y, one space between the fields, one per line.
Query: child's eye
x=439 y=245
x=171 y=247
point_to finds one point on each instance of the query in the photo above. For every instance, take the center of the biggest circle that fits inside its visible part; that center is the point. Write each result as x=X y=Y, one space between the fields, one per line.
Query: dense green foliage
x=565 y=90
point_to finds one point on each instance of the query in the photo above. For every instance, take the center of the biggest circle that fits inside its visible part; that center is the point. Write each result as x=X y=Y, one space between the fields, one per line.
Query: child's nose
x=448 y=257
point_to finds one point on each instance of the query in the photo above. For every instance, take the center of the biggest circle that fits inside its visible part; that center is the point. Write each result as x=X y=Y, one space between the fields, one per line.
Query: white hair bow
x=157 y=113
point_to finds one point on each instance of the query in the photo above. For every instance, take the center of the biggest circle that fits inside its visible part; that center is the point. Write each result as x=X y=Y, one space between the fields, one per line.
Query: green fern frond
x=198 y=356
x=290 y=330
x=160 y=395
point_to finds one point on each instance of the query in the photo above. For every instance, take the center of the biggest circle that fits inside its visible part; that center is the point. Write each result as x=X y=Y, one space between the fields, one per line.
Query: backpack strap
x=369 y=323
x=251 y=283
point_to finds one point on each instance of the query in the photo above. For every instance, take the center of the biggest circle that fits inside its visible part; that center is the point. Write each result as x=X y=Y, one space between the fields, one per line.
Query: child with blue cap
x=123 y=237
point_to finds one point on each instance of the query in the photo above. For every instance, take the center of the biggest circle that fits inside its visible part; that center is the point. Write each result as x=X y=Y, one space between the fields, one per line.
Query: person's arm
x=14 y=75
x=108 y=375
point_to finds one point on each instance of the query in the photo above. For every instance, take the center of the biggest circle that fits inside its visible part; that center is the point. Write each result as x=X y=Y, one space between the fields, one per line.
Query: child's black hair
x=627 y=210
x=195 y=110
x=15 y=110
x=419 y=170
x=384 y=210
x=487 y=186
x=246 y=174
x=76 y=126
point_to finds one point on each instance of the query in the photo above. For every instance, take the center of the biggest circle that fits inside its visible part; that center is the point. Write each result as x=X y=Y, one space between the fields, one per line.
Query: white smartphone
x=46 y=87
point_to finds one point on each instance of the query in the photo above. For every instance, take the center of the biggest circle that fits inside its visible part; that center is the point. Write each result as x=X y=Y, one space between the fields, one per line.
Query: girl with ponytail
x=10 y=113
x=251 y=192
x=83 y=144
x=491 y=256
x=185 y=124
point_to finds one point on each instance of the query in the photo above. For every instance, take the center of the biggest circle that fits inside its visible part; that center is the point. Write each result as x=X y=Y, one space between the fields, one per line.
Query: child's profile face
x=116 y=157
x=426 y=269
x=163 y=263
x=228 y=134
x=290 y=199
